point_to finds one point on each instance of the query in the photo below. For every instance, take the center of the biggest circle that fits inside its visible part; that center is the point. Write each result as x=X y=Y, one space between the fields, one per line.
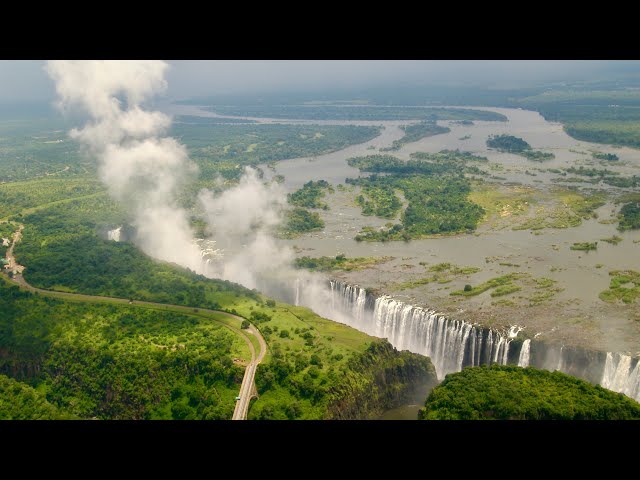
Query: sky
x=26 y=80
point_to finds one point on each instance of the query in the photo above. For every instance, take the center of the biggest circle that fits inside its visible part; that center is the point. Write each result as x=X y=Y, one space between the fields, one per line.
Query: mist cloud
x=145 y=170
x=141 y=169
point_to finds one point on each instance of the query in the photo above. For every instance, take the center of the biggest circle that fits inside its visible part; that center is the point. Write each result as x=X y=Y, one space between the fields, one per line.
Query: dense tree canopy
x=514 y=393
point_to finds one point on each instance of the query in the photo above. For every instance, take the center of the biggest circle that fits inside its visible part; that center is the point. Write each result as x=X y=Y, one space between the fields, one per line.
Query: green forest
x=511 y=144
x=310 y=195
x=434 y=187
x=19 y=401
x=513 y=393
x=630 y=216
x=300 y=220
x=87 y=359
x=415 y=132
x=224 y=149
x=117 y=362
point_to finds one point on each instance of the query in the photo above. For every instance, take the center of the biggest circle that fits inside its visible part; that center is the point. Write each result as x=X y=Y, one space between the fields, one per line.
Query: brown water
x=575 y=315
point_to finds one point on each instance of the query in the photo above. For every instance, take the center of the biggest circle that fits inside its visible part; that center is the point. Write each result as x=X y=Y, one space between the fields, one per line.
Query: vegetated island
x=506 y=392
x=415 y=132
x=434 y=186
x=511 y=144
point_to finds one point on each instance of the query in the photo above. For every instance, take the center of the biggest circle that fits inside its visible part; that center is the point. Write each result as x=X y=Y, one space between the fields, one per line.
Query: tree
x=245 y=324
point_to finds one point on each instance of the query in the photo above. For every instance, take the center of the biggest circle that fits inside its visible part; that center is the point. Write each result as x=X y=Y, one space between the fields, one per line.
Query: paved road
x=247 y=389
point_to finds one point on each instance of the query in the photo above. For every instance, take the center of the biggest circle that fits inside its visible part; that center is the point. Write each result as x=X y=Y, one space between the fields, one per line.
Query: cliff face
x=379 y=379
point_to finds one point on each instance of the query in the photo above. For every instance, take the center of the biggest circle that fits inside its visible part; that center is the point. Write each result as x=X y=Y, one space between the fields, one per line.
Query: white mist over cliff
x=145 y=170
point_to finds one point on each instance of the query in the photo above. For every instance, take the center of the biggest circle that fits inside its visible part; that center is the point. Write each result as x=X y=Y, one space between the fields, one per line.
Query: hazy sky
x=26 y=80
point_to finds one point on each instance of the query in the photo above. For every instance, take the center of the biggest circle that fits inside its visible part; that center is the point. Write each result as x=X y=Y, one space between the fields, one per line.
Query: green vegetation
x=443 y=162
x=508 y=143
x=436 y=205
x=514 y=393
x=505 y=290
x=225 y=149
x=443 y=273
x=584 y=246
x=625 y=286
x=19 y=401
x=537 y=155
x=149 y=374
x=434 y=188
x=511 y=144
x=16 y=197
x=503 y=281
x=602 y=116
x=535 y=291
x=610 y=157
x=614 y=240
x=108 y=361
x=339 y=262
x=415 y=132
x=299 y=385
x=6 y=233
x=607 y=176
x=62 y=251
x=38 y=147
x=310 y=194
x=366 y=112
x=564 y=208
x=300 y=221
x=629 y=216
x=380 y=201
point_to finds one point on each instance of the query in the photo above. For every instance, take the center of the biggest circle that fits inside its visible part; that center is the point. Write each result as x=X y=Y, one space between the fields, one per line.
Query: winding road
x=247 y=388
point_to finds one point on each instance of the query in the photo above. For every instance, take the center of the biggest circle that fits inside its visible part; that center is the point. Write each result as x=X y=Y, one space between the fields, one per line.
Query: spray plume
x=144 y=169
x=140 y=167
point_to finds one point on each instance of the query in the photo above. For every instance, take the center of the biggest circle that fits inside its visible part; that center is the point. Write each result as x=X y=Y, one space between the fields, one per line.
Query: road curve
x=247 y=387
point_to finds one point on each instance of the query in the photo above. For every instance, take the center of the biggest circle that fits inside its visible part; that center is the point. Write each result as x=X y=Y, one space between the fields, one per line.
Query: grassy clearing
x=500 y=202
x=564 y=208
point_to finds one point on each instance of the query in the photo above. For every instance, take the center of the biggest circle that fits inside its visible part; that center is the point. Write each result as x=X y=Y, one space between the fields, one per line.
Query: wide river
x=576 y=314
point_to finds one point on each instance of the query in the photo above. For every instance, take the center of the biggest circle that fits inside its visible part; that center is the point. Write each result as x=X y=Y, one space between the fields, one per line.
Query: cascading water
x=454 y=344
x=114 y=234
x=620 y=375
x=525 y=352
x=451 y=344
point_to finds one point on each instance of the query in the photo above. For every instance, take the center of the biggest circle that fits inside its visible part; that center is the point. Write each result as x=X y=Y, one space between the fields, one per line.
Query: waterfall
x=523 y=360
x=114 y=234
x=620 y=376
x=297 y=302
x=451 y=344
x=454 y=344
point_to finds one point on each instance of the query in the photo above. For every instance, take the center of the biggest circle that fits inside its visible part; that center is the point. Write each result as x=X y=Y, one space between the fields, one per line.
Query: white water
x=421 y=331
x=114 y=234
x=523 y=360
x=453 y=344
x=619 y=377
